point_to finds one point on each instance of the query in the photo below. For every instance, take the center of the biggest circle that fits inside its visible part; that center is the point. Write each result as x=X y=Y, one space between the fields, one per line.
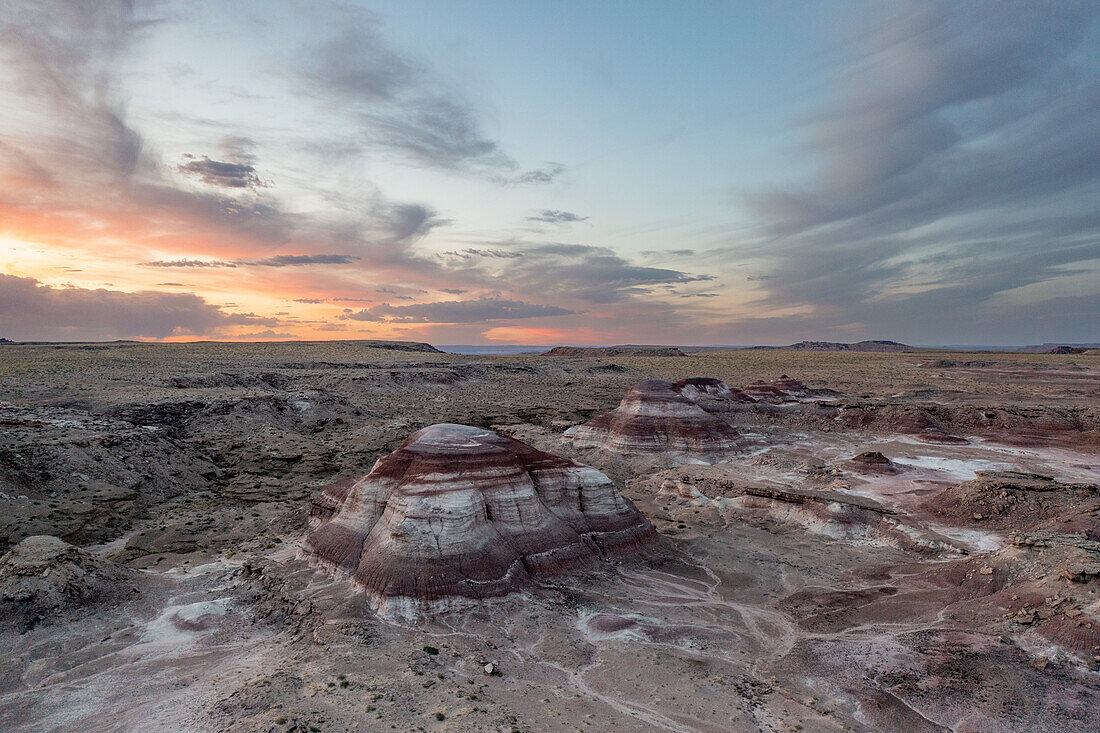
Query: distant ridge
x=418 y=346
x=421 y=346
x=1059 y=348
x=624 y=350
x=881 y=346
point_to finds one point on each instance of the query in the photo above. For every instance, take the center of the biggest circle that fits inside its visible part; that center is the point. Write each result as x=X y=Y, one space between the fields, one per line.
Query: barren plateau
x=875 y=541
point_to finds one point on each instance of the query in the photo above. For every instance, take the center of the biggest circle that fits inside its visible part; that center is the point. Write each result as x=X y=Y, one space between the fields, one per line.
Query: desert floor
x=791 y=589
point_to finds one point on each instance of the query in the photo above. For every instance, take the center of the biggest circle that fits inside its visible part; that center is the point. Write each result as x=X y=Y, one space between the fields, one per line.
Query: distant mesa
x=418 y=346
x=1057 y=348
x=460 y=512
x=657 y=417
x=625 y=350
x=873 y=345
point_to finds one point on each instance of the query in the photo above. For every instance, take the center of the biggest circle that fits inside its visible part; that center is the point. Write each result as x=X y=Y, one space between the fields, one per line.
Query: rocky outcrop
x=784 y=389
x=43 y=576
x=460 y=512
x=713 y=395
x=874 y=463
x=1011 y=500
x=832 y=514
x=656 y=417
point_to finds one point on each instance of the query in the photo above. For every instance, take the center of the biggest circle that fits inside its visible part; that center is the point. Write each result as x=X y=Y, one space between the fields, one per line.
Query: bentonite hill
x=462 y=512
x=347 y=536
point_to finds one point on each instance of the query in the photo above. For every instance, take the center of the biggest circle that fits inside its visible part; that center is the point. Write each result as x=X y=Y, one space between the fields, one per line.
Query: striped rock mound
x=656 y=417
x=460 y=512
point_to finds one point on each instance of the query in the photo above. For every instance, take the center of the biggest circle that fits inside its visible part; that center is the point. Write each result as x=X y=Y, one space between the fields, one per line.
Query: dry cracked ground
x=946 y=580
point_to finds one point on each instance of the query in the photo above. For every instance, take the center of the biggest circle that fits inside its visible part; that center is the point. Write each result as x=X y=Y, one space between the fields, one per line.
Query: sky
x=550 y=172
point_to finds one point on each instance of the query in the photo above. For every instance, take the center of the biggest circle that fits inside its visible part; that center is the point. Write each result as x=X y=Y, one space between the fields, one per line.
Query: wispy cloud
x=954 y=131
x=274 y=261
x=551 y=216
x=457 y=311
x=397 y=101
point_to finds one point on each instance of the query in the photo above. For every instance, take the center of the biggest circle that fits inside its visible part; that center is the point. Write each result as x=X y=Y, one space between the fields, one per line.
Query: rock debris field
x=346 y=536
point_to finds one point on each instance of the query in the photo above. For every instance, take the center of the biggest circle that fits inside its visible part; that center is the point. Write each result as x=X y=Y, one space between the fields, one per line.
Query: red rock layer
x=873 y=462
x=654 y=417
x=459 y=511
x=781 y=390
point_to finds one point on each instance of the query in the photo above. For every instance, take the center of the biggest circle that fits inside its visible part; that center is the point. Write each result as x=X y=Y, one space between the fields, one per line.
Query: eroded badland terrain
x=875 y=541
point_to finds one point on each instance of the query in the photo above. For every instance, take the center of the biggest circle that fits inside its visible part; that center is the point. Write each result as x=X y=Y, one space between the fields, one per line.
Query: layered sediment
x=656 y=417
x=463 y=512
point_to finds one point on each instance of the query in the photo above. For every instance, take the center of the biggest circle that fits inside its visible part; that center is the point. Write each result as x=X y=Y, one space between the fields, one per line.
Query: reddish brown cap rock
x=463 y=512
x=873 y=462
x=655 y=417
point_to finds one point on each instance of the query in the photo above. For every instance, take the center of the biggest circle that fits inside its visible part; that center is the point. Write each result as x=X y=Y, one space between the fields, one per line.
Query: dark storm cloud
x=221 y=173
x=30 y=310
x=399 y=104
x=550 y=216
x=957 y=130
x=457 y=311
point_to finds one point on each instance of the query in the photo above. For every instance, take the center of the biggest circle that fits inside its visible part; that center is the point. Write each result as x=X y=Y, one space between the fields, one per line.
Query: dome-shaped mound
x=459 y=511
x=654 y=417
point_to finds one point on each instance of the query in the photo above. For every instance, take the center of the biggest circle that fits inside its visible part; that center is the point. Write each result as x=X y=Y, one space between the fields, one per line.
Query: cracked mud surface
x=790 y=590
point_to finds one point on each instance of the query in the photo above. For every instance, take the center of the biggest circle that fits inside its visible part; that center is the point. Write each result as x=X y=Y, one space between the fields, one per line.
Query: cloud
x=668 y=253
x=221 y=173
x=473 y=253
x=551 y=216
x=312 y=301
x=30 y=310
x=955 y=131
x=298 y=260
x=398 y=103
x=547 y=174
x=274 y=261
x=265 y=334
x=457 y=311
x=595 y=274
